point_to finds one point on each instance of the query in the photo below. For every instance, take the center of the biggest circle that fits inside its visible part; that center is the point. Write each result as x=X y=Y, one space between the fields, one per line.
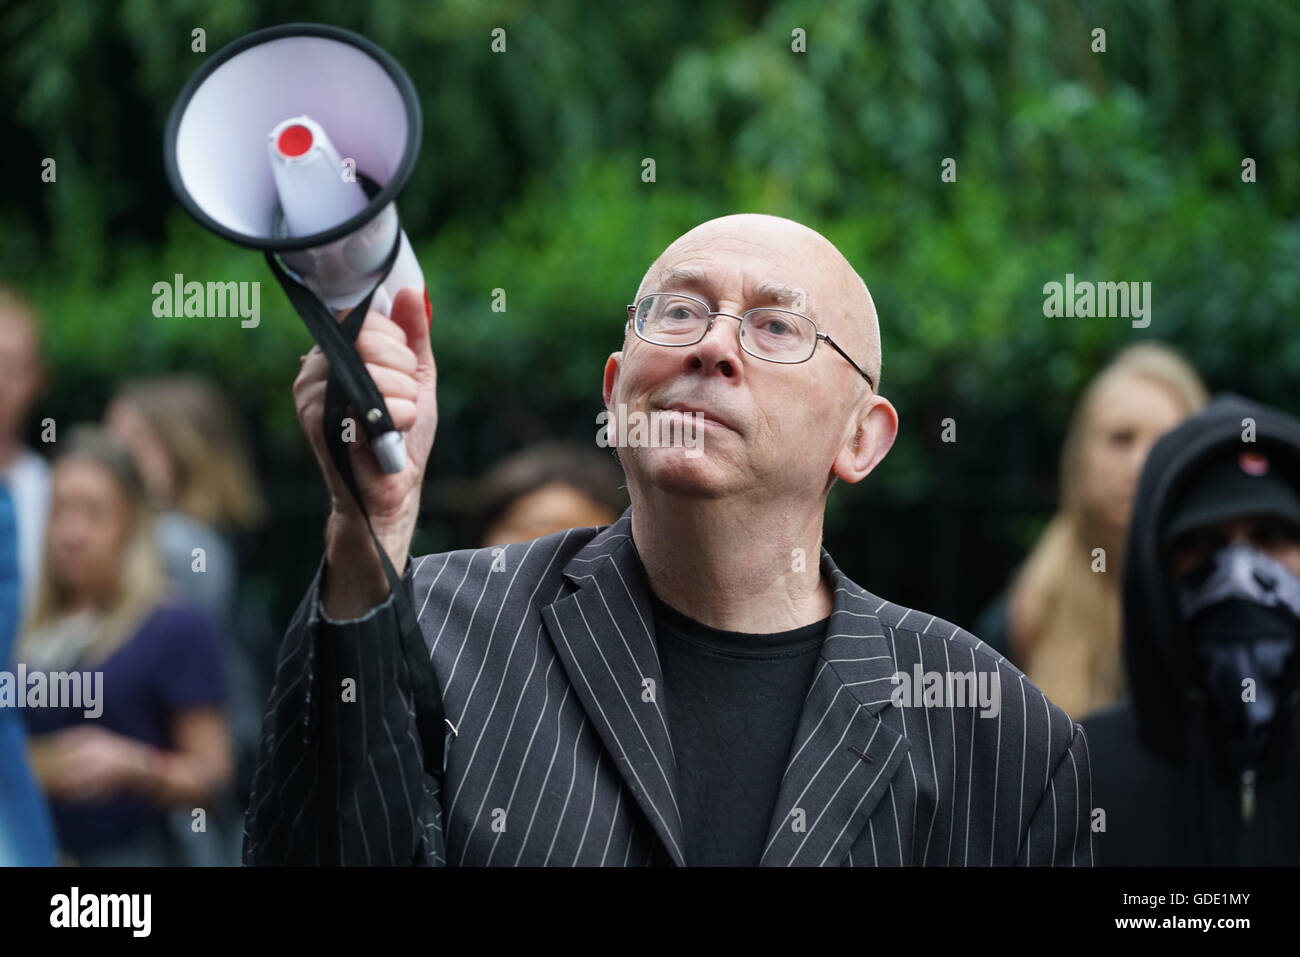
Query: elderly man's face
x=768 y=429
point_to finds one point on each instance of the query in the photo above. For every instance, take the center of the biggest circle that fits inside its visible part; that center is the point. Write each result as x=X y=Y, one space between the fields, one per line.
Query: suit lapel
x=843 y=757
x=603 y=633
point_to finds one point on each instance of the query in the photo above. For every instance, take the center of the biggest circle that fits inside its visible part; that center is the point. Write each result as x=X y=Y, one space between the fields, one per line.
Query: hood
x=1162 y=678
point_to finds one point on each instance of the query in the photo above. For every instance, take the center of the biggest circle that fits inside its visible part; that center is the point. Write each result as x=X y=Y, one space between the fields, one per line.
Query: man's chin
x=685 y=472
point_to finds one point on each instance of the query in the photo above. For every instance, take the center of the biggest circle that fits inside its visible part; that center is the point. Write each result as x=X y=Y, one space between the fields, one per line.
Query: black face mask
x=1243 y=616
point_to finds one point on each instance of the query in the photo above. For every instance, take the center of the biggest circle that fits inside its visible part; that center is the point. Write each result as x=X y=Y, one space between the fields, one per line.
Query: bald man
x=696 y=684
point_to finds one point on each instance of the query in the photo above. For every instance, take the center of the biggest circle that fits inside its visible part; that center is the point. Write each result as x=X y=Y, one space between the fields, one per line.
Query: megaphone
x=296 y=140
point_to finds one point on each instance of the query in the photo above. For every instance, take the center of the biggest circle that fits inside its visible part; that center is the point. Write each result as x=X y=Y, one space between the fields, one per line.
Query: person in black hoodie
x=1201 y=764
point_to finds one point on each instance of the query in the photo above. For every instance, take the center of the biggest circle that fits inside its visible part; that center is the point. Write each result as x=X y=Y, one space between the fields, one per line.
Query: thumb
x=412 y=313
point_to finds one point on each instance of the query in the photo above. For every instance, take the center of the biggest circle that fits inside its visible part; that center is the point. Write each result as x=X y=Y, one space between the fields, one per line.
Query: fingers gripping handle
x=349 y=377
x=389 y=447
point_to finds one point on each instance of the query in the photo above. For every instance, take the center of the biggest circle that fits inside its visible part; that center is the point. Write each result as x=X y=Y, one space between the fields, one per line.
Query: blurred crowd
x=1160 y=606
x=122 y=553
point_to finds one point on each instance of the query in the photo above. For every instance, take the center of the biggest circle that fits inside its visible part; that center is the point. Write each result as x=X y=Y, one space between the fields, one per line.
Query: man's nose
x=720 y=347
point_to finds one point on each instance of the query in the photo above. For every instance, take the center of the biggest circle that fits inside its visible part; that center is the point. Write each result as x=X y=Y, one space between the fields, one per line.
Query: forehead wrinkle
x=764 y=290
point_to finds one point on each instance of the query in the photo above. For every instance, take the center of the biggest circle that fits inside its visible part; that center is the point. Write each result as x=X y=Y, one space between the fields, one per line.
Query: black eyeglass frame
x=712 y=313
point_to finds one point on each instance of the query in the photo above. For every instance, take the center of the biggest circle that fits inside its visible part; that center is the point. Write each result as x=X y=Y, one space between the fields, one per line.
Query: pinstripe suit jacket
x=561 y=754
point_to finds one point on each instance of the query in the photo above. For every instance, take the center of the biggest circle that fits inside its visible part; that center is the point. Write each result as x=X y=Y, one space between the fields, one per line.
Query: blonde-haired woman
x=189 y=447
x=1063 y=611
x=160 y=739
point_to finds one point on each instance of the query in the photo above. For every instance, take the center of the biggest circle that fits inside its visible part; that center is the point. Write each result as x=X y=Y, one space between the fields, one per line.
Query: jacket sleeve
x=1060 y=831
x=340 y=777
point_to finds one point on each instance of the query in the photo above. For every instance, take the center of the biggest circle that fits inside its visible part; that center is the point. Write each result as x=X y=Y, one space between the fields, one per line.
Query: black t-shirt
x=733 y=702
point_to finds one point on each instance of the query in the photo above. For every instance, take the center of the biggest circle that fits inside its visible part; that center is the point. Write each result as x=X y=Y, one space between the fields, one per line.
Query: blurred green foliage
x=1122 y=165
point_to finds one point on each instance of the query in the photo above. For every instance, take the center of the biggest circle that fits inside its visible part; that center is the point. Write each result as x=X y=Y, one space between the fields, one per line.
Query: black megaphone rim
x=386 y=195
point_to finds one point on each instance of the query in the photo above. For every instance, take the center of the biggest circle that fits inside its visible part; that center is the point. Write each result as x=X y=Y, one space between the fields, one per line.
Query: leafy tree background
x=1122 y=165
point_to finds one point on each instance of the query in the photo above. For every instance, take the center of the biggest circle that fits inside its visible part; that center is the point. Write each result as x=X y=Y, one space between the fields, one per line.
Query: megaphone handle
x=347 y=371
x=405 y=272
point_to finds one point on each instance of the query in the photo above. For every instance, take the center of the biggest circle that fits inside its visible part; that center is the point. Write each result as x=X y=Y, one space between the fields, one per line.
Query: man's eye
x=775 y=327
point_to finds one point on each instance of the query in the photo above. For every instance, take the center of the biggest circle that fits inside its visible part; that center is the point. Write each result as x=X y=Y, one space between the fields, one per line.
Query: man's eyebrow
x=780 y=293
x=766 y=291
x=683 y=276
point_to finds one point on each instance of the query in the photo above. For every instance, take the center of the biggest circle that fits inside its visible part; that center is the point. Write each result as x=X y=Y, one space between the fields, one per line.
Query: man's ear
x=877 y=427
x=613 y=366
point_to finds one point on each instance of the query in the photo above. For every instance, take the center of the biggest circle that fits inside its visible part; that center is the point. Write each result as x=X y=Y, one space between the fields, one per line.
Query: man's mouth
x=699 y=414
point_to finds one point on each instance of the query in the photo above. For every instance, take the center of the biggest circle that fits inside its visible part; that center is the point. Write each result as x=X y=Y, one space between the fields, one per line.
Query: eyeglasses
x=777 y=335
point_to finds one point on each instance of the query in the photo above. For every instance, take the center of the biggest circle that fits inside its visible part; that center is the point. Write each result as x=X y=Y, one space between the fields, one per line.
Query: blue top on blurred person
x=161 y=740
x=26 y=835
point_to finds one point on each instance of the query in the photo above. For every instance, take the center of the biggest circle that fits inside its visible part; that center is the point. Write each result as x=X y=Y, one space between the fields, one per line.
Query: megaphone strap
x=349 y=380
